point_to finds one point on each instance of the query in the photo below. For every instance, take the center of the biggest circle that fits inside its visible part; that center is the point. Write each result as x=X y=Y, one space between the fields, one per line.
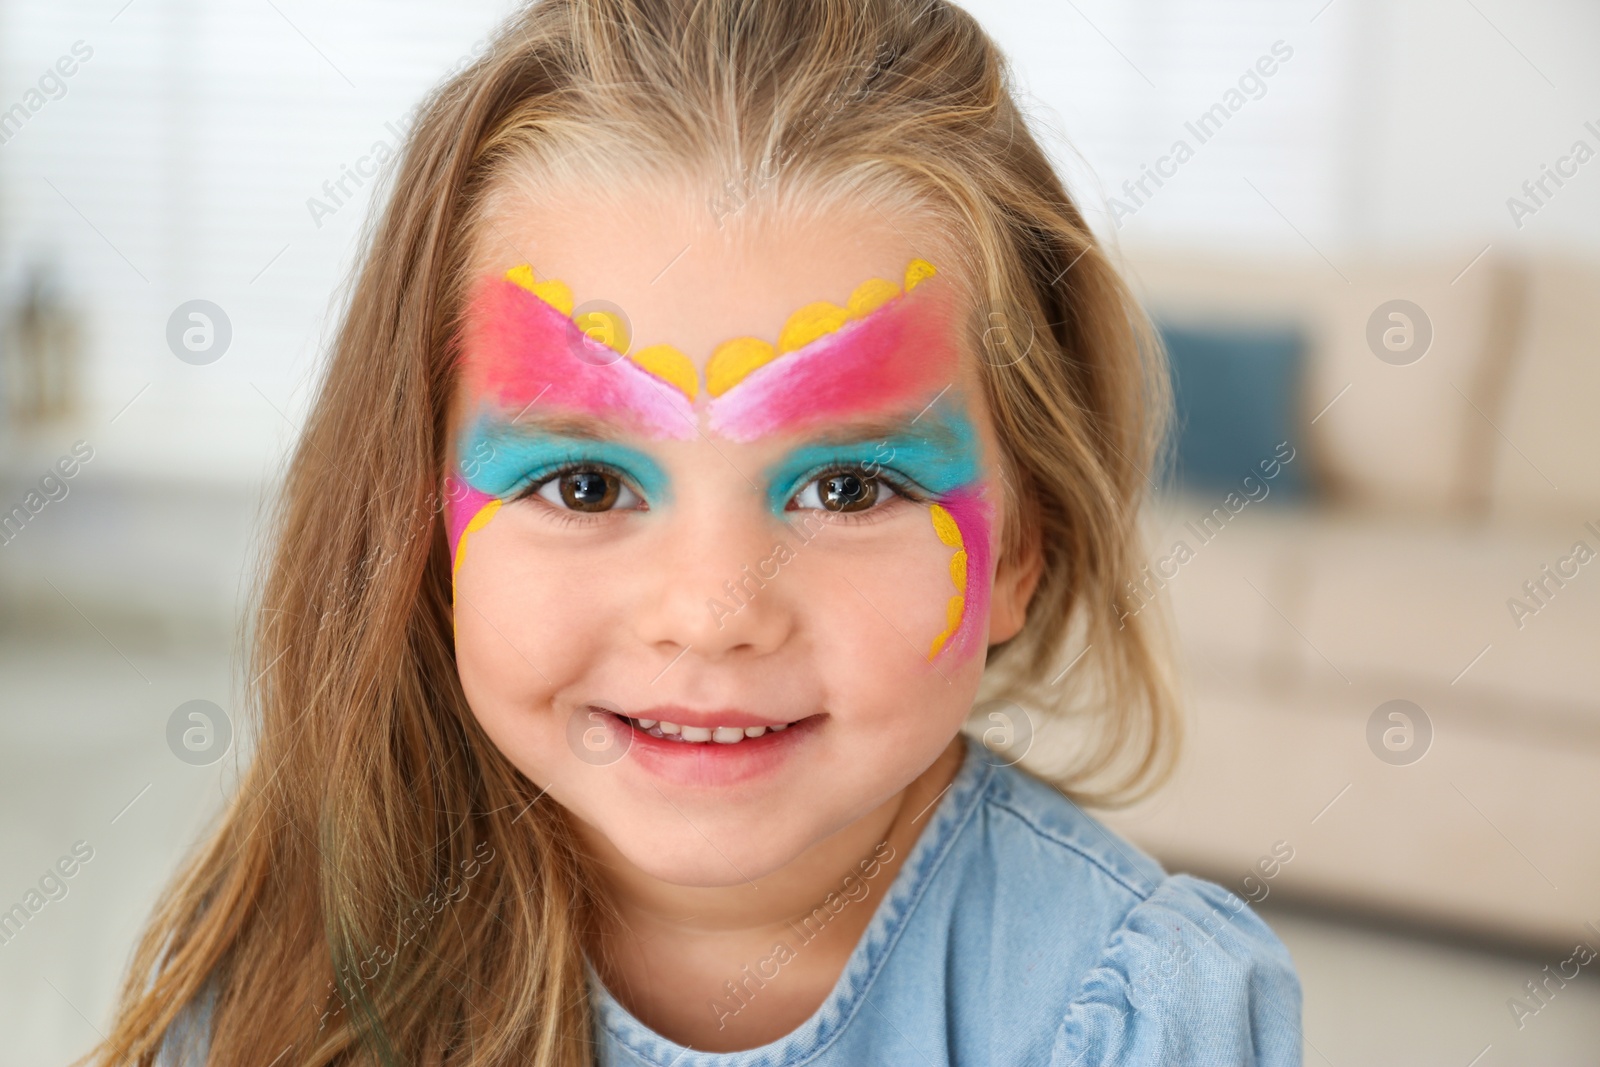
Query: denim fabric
x=188 y=1040
x=1021 y=931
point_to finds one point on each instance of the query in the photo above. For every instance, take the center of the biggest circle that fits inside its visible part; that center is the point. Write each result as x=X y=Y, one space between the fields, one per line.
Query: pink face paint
x=974 y=518
x=462 y=505
x=519 y=350
x=905 y=352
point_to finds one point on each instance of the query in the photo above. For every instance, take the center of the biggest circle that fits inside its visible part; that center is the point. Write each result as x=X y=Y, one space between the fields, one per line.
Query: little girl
x=730 y=395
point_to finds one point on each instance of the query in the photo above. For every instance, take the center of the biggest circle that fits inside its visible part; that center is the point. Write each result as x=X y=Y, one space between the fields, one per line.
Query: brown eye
x=587 y=490
x=845 y=490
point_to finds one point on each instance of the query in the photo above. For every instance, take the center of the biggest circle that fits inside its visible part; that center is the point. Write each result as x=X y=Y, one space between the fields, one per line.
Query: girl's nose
x=714 y=582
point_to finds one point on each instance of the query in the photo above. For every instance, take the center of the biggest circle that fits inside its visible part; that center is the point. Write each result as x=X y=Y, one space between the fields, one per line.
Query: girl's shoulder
x=188 y=1040
x=1123 y=962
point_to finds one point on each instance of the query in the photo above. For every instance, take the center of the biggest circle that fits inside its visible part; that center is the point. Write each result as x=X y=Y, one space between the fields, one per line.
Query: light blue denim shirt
x=1020 y=931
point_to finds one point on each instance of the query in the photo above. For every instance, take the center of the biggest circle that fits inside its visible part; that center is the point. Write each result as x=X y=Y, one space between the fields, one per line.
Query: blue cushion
x=1236 y=390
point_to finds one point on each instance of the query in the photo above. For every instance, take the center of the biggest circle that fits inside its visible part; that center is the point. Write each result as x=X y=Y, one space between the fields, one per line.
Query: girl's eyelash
x=901 y=485
x=567 y=516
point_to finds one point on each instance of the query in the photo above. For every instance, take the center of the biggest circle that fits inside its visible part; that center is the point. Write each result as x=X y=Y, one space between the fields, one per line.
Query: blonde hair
x=372 y=787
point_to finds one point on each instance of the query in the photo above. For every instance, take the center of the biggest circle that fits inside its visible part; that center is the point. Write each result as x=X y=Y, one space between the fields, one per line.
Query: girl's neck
x=733 y=967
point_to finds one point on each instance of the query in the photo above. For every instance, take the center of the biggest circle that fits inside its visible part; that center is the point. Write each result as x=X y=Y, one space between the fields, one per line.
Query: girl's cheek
x=495 y=655
x=963 y=520
x=466 y=510
x=520 y=613
x=892 y=604
x=906 y=606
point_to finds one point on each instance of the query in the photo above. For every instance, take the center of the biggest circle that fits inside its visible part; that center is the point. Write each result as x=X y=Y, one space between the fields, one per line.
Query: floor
x=84 y=758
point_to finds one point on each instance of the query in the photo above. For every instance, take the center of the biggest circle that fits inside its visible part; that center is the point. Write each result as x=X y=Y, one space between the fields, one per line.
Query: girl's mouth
x=713 y=754
x=702 y=735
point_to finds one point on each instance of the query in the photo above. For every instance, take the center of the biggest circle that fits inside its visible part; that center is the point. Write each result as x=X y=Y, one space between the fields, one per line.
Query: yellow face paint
x=474 y=524
x=608 y=328
x=732 y=361
x=554 y=292
x=604 y=328
x=809 y=323
x=917 y=272
x=671 y=366
x=944 y=524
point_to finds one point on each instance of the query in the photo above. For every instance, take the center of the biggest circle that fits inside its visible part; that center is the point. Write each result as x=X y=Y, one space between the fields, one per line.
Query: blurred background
x=1370 y=230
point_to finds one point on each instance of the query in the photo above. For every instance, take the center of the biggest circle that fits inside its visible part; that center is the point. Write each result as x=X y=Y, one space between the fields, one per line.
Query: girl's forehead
x=683 y=268
x=889 y=347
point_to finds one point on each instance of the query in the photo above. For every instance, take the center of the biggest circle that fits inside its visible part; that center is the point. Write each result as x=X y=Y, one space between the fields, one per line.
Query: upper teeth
x=722 y=735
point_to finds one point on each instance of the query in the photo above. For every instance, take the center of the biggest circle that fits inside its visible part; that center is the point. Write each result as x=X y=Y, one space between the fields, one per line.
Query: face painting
x=722 y=570
x=865 y=386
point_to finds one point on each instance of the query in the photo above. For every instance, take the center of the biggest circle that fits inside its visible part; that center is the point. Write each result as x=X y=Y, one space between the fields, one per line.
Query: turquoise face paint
x=503 y=460
x=938 y=454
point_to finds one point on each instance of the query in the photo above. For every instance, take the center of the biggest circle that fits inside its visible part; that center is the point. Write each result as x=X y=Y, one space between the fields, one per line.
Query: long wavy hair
x=385 y=887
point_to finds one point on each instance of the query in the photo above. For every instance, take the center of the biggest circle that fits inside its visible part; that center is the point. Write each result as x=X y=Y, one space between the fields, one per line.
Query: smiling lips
x=725 y=727
x=721 y=735
x=714 y=749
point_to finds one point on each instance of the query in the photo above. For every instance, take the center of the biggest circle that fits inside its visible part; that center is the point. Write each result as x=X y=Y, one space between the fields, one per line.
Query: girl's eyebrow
x=535 y=422
x=922 y=425
x=498 y=458
x=874 y=428
x=939 y=450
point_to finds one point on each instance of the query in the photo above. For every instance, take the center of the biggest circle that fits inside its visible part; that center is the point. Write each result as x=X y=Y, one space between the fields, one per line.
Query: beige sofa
x=1446 y=484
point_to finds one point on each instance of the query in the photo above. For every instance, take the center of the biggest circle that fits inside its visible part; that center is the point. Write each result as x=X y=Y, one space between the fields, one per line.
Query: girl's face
x=723 y=509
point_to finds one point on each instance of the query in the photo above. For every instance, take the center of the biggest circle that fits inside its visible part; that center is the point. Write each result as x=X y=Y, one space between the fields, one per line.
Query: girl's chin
x=695 y=855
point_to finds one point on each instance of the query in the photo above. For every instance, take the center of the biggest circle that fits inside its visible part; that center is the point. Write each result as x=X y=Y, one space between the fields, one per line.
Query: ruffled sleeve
x=1191 y=977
